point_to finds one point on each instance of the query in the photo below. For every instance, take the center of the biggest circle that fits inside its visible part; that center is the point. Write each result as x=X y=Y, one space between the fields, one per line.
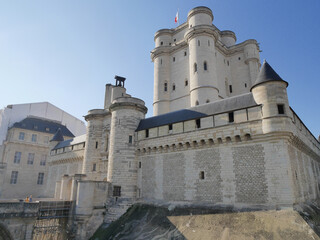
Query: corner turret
x=270 y=90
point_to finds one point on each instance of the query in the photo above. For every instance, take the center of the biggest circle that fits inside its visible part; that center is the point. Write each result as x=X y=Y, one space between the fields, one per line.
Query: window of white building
x=40 y=178
x=34 y=138
x=17 y=157
x=14 y=177
x=21 y=135
x=30 y=158
x=43 y=160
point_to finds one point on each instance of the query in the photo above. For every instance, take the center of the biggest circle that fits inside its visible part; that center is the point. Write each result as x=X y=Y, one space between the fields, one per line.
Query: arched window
x=173 y=87
x=165 y=86
x=205 y=67
x=195 y=67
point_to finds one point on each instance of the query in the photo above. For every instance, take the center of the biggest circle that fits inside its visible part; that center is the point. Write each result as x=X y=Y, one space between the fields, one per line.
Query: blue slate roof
x=58 y=137
x=267 y=74
x=169 y=118
x=42 y=125
x=70 y=142
x=225 y=105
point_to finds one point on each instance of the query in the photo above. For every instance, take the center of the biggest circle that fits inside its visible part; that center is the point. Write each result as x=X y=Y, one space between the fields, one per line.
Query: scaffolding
x=55 y=209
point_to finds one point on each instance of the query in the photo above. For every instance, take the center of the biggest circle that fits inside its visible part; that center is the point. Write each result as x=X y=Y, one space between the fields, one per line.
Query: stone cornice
x=171 y=31
x=96 y=113
x=223 y=49
x=66 y=160
x=198 y=10
x=209 y=30
x=122 y=105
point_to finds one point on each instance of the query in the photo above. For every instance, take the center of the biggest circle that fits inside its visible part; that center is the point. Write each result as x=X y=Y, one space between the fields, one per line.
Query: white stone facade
x=196 y=63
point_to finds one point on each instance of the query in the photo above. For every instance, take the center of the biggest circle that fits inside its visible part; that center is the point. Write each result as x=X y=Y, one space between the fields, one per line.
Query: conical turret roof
x=58 y=137
x=267 y=74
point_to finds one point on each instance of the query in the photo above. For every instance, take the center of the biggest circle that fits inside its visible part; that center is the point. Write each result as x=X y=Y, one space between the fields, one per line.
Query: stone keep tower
x=196 y=63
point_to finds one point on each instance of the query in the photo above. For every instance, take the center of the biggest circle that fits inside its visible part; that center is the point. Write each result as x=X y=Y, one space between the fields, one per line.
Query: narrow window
x=280 y=109
x=169 y=44
x=198 y=123
x=173 y=87
x=174 y=40
x=231 y=117
x=14 y=177
x=40 y=178
x=205 y=67
x=147 y=133
x=186 y=82
x=195 y=67
x=174 y=59
x=208 y=43
x=34 y=138
x=198 y=42
x=130 y=139
x=94 y=167
x=165 y=87
x=17 y=157
x=139 y=164
x=239 y=58
x=97 y=145
x=161 y=43
x=170 y=128
x=185 y=53
x=245 y=85
x=21 y=136
x=116 y=191
x=230 y=88
x=30 y=158
x=161 y=61
x=43 y=160
x=201 y=175
x=197 y=103
x=228 y=63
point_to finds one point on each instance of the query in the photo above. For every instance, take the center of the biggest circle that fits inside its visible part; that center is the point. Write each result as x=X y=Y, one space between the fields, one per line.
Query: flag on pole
x=176 y=19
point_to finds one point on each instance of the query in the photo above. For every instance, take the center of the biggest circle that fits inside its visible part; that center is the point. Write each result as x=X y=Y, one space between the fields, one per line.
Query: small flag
x=176 y=18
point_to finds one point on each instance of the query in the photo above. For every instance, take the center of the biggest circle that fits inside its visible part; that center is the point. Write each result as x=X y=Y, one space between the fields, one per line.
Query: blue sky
x=64 y=52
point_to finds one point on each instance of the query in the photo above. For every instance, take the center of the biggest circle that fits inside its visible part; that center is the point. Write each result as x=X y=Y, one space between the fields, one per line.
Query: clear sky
x=64 y=52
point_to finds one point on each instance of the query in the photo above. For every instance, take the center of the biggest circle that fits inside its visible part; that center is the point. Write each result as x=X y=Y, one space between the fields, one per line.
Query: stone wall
x=230 y=164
